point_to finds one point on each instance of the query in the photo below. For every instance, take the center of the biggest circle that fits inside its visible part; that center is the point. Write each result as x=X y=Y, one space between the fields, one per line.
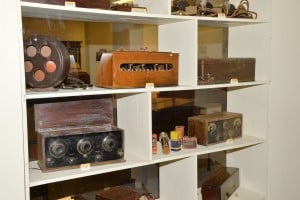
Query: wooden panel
x=73 y=113
x=212 y=71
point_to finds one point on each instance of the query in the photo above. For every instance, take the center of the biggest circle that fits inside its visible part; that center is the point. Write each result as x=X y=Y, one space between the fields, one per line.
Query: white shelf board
x=226 y=22
x=37 y=177
x=245 y=194
x=38 y=10
x=244 y=141
x=230 y=85
x=97 y=15
x=32 y=94
x=240 y=194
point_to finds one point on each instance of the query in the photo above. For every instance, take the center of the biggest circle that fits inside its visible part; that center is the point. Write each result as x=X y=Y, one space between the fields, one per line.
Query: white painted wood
x=178 y=179
x=134 y=116
x=245 y=194
x=39 y=178
x=252 y=41
x=240 y=194
x=237 y=143
x=13 y=173
x=84 y=14
x=134 y=159
x=30 y=94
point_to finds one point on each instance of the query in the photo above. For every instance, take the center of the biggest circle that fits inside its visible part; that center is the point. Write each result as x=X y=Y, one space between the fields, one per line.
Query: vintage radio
x=221 y=185
x=55 y=2
x=101 y=4
x=130 y=69
x=72 y=133
x=215 y=128
x=123 y=7
x=225 y=70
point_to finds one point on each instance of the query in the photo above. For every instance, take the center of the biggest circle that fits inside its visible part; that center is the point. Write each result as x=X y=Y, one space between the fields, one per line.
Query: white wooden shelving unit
x=178 y=171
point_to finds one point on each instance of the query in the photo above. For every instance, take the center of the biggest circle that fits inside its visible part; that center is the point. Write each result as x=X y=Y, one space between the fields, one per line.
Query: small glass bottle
x=164 y=140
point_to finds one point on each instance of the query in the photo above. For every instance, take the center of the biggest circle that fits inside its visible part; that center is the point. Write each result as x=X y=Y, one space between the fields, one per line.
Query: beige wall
x=212 y=42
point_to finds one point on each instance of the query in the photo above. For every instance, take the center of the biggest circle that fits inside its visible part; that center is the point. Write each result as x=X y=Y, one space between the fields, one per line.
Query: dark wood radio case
x=221 y=185
x=55 y=2
x=225 y=70
x=215 y=128
x=72 y=133
x=117 y=193
x=101 y=4
x=130 y=69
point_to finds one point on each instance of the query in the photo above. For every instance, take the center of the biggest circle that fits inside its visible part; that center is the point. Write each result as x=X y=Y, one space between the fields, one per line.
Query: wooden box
x=215 y=128
x=101 y=4
x=55 y=2
x=125 y=69
x=225 y=70
x=73 y=133
x=117 y=193
x=221 y=184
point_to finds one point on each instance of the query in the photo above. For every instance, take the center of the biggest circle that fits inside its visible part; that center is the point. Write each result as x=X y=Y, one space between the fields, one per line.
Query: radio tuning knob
x=57 y=149
x=237 y=123
x=109 y=143
x=84 y=146
x=212 y=128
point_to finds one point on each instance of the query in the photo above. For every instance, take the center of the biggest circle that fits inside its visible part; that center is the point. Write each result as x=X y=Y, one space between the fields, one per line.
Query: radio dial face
x=109 y=143
x=84 y=146
x=58 y=149
x=212 y=127
x=237 y=123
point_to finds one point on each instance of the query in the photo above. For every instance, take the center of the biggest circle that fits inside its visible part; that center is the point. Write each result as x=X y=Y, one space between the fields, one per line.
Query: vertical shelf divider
x=178 y=179
x=134 y=116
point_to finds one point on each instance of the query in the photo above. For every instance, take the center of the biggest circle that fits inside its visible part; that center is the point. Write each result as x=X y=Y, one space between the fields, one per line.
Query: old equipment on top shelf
x=75 y=133
x=225 y=70
x=46 y=61
x=130 y=69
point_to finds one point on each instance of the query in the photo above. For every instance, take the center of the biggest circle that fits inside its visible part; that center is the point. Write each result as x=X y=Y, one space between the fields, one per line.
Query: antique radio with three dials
x=71 y=134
